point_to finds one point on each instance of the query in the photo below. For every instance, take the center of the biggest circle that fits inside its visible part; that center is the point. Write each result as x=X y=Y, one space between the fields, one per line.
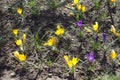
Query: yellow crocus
x=74 y=61
x=50 y=42
x=24 y=37
x=22 y=57
x=113 y=30
x=18 y=42
x=79 y=7
x=83 y=8
x=95 y=26
x=117 y=34
x=113 y=54
x=19 y=11
x=71 y=63
x=19 y=56
x=66 y=58
x=60 y=31
x=113 y=1
x=75 y=2
x=15 y=32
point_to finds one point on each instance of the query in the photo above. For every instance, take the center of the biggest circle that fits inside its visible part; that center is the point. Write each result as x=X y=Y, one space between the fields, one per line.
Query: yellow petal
x=19 y=10
x=66 y=58
x=50 y=42
x=15 y=32
x=95 y=26
x=79 y=7
x=75 y=2
x=16 y=54
x=113 y=54
x=113 y=1
x=60 y=31
x=83 y=8
x=18 y=42
x=74 y=61
x=70 y=65
x=117 y=34
x=113 y=29
x=24 y=37
x=22 y=57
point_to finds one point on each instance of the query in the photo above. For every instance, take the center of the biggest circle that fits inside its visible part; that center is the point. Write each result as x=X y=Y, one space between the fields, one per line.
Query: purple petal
x=79 y=24
x=90 y=57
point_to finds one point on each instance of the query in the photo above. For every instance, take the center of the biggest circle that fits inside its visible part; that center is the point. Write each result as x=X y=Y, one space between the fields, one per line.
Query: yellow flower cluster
x=113 y=30
x=113 y=54
x=81 y=8
x=95 y=26
x=60 y=31
x=19 y=56
x=50 y=42
x=19 y=11
x=71 y=63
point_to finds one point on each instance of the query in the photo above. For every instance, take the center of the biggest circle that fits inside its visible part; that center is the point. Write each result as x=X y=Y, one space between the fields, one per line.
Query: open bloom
x=113 y=55
x=18 y=42
x=50 y=42
x=15 y=32
x=19 y=56
x=19 y=11
x=90 y=57
x=71 y=63
x=95 y=26
x=79 y=24
x=75 y=2
x=60 y=31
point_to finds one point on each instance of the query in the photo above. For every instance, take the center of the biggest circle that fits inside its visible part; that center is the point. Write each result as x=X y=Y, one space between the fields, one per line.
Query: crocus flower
x=50 y=42
x=113 y=1
x=90 y=57
x=113 y=30
x=95 y=26
x=19 y=11
x=79 y=24
x=113 y=55
x=75 y=2
x=83 y=8
x=79 y=7
x=60 y=31
x=18 y=42
x=19 y=56
x=104 y=37
x=15 y=32
x=71 y=63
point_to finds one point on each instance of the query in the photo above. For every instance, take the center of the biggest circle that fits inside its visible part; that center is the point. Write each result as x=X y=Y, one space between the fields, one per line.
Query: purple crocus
x=104 y=37
x=79 y=24
x=90 y=56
